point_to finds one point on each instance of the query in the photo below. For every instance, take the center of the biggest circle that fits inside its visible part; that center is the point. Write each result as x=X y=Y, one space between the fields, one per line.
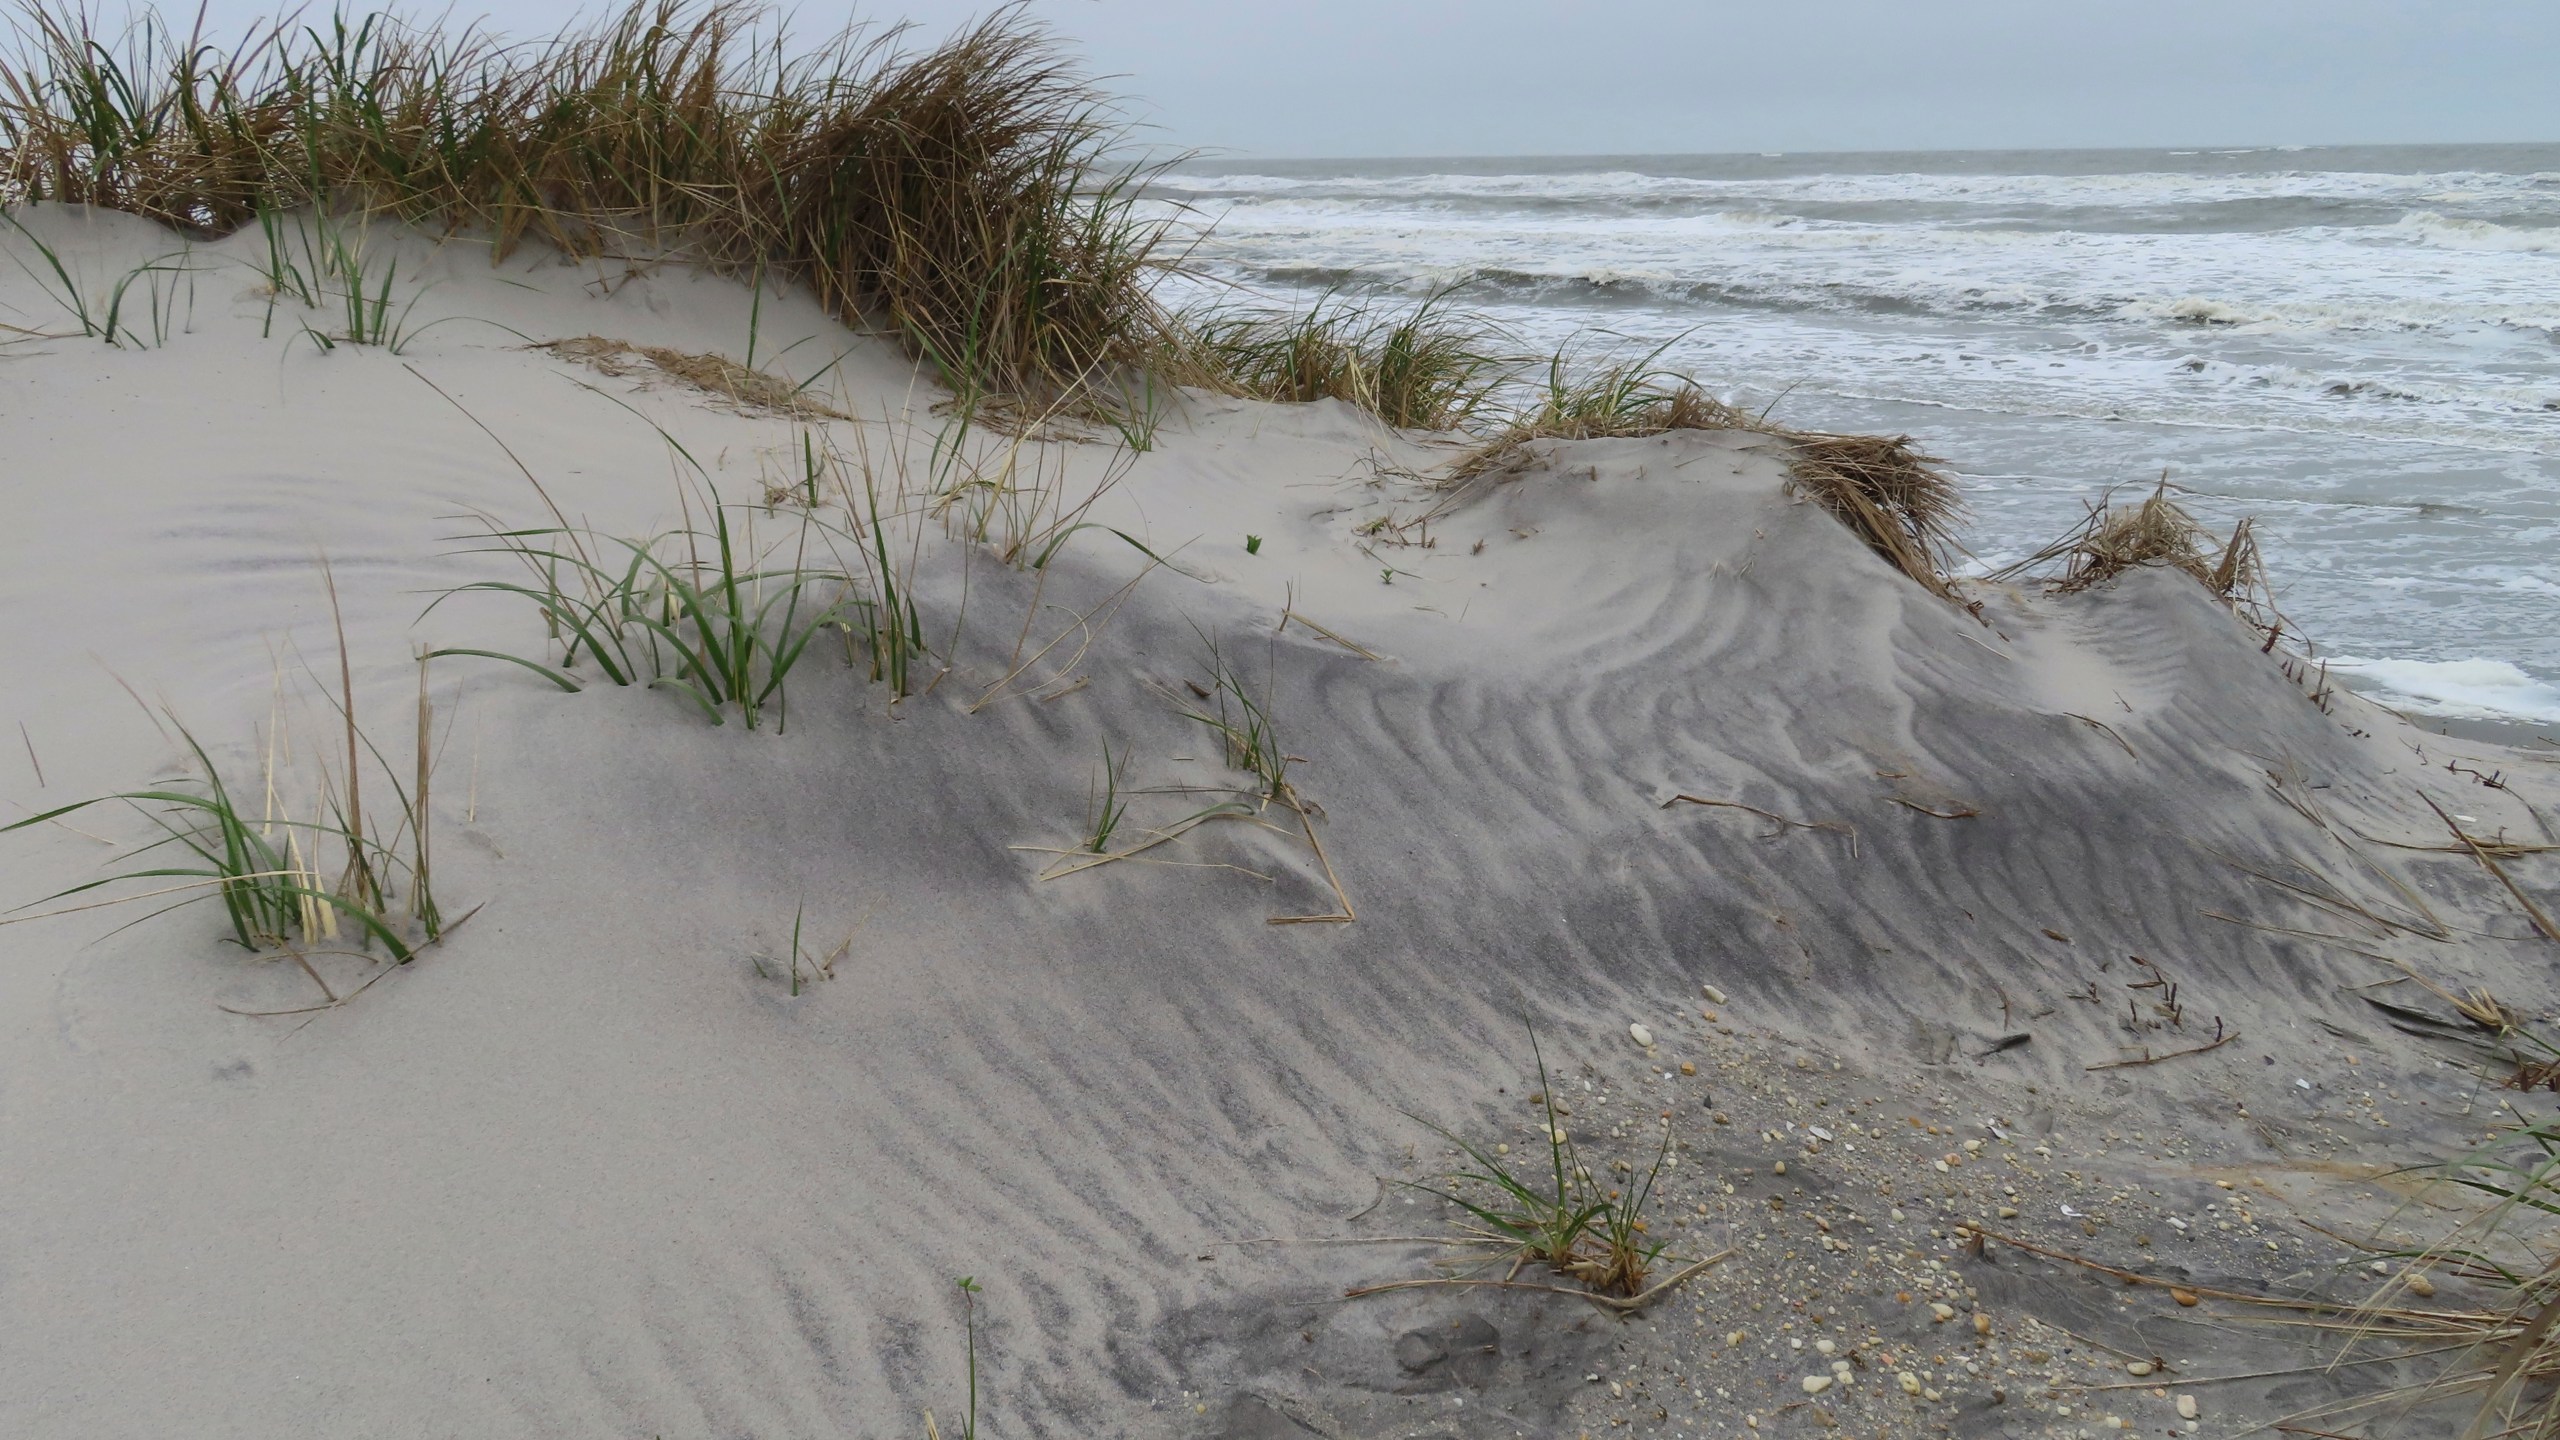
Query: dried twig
x=2150 y=1059
x=2105 y=729
x=1783 y=823
x=1965 y=812
x=2532 y=911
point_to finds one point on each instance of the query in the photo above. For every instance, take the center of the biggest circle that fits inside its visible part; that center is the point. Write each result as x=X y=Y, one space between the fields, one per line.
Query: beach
x=804 y=896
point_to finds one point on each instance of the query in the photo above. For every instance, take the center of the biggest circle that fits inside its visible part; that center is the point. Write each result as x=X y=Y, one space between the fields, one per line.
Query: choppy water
x=2359 y=346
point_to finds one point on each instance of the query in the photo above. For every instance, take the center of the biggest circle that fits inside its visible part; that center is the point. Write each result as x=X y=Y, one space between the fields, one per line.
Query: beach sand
x=613 y=1160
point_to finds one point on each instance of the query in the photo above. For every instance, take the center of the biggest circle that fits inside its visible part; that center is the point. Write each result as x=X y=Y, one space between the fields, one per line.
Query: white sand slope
x=589 y=1169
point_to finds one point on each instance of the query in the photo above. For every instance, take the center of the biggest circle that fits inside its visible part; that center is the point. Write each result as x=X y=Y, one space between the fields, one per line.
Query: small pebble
x=1714 y=995
x=1910 y=1383
x=1778 y=1169
x=1981 y=1323
x=2187 y=1407
x=1942 y=1311
x=1816 y=1384
x=1639 y=1034
x=1688 y=1067
x=2422 y=1287
x=2137 y=1368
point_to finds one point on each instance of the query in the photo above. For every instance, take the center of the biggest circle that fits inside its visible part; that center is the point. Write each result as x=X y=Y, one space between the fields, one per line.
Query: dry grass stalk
x=964 y=195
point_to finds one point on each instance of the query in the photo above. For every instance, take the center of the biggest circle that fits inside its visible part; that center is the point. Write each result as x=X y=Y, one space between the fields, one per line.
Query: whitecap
x=2428 y=227
x=2490 y=689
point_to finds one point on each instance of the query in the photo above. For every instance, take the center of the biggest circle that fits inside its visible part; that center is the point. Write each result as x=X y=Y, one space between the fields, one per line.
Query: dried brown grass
x=2111 y=540
x=715 y=375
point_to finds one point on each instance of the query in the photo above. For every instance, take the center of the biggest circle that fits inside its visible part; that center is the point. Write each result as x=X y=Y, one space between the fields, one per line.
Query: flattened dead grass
x=718 y=376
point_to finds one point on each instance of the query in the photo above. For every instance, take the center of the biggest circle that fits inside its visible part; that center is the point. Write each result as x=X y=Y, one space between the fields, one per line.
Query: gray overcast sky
x=1500 y=77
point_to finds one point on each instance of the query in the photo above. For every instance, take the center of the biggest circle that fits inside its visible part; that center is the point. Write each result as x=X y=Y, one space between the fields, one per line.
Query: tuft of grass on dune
x=2112 y=539
x=1428 y=368
x=1890 y=495
x=302 y=866
x=963 y=196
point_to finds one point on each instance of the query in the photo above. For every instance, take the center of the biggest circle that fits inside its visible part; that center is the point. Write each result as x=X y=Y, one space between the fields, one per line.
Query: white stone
x=1639 y=1034
x=1816 y=1384
x=2187 y=1407
x=1714 y=995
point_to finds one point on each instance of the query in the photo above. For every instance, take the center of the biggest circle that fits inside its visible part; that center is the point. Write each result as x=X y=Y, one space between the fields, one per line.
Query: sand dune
x=591 y=1167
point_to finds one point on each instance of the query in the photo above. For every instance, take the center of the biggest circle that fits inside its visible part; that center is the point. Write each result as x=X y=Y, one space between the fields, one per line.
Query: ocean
x=2358 y=346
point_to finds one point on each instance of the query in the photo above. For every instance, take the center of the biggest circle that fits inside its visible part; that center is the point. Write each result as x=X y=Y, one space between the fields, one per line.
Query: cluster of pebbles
x=1878 y=1280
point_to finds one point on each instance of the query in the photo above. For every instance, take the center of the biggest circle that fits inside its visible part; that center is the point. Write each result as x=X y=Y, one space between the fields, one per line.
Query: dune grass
x=2112 y=539
x=968 y=1430
x=1559 y=1216
x=1891 y=496
x=1427 y=368
x=265 y=873
x=108 y=315
x=1241 y=719
x=303 y=877
x=1556 y=1215
x=963 y=196
x=699 y=612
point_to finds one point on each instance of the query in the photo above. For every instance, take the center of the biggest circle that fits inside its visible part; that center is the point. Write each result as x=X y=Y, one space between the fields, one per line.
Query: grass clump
x=693 y=611
x=1559 y=1216
x=324 y=265
x=1620 y=398
x=1241 y=719
x=1891 y=496
x=268 y=874
x=303 y=878
x=1428 y=368
x=2113 y=539
x=963 y=196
